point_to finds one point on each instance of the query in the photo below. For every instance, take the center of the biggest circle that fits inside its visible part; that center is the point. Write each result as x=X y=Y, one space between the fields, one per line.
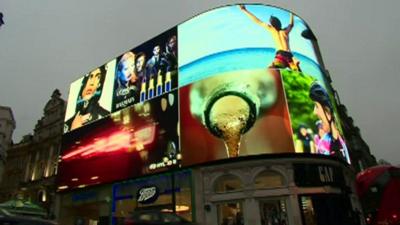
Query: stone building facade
x=7 y=126
x=32 y=164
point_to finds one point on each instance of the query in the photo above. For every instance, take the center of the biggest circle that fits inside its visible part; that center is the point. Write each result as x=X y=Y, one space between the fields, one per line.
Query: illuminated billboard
x=227 y=57
x=247 y=82
x=315 y=123
x=89 y=98
x=146 y=71
x=135 y=141
x=233 y=114
x=138 y=75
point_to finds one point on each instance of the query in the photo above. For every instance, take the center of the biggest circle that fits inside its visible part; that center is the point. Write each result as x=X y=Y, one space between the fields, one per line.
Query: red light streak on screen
x=145 y=135
x=118 y=141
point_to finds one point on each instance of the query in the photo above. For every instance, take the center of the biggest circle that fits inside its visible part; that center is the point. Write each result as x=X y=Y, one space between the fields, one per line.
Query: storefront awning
x=21 y=207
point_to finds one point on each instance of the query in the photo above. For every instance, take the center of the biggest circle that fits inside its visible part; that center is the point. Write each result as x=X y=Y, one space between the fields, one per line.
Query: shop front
x=290 y=189
x=228 y=131
x=277 y=191
x=158 y=193
x=89 y=206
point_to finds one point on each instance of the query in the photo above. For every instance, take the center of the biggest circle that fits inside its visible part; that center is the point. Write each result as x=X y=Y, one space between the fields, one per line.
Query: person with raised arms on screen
x=283 y=57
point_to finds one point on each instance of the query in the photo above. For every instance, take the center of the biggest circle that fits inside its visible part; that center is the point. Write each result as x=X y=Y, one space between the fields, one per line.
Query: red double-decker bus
x=379 y=191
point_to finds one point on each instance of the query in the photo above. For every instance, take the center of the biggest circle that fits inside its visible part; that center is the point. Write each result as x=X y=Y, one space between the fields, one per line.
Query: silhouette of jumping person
x=283 y=57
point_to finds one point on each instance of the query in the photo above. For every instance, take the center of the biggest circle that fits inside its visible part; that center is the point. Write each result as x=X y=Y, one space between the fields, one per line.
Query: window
x=227 y=183
x=42 y=196
x=54 y=166
x=230 y=213
x=42 y=169
x=273 y=212
x=269 y=179
x=126 y=202
x=316 y=211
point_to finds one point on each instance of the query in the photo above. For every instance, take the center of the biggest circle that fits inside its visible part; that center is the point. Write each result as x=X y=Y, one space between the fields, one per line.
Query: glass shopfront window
x=273 y=212
x=327 y=209
x=89 y=206
x=230 y=213
x=156 y=193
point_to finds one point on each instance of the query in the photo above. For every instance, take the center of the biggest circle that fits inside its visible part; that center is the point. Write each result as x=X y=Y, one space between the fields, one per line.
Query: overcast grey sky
x=47 y=44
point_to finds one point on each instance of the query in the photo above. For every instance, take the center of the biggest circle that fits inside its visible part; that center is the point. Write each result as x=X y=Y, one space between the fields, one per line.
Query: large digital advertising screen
x=233 y=114
x=146 y=71
x=247 y=82
x=314 y=119
x=122 y=118
x=218 y=68
x=135 y=141
x=89 y=98
x=138 y=75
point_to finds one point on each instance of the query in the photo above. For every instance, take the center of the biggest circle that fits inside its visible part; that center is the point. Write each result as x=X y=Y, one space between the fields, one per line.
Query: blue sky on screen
x=229 y=28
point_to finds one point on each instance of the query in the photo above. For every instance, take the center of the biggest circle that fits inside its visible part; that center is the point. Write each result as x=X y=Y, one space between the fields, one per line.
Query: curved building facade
x=227 y=112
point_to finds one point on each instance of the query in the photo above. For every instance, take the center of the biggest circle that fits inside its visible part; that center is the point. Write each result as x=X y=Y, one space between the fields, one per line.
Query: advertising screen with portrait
x=146 y=71
x=237 y=44
x=249 y=83
x=315 y=122
x=135 y=141
x=89 y=98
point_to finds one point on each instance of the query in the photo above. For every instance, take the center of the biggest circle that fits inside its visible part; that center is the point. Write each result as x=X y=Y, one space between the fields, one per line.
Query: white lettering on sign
x=146 y=193
x=325 y=174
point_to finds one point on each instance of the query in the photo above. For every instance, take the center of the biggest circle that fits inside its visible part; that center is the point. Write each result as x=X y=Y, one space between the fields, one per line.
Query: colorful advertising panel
x=236 y=44
x=244 y=37
x=315 y=123
x=135 y=141
x=146 y=71
x=138 y=75
x=233 y=114
x=90 y=98
x=249 y=83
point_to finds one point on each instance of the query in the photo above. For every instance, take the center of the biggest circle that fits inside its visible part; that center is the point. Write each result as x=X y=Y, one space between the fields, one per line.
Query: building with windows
x=229 y=118
x=15 y=170
x=284 y=189
x=7 y=126
x=32 y=163
x=360 y=154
